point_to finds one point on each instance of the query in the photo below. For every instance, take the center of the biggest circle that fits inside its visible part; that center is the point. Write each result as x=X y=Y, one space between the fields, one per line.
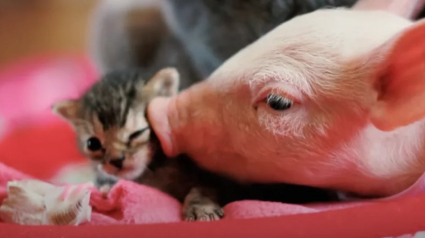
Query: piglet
x=333 y=99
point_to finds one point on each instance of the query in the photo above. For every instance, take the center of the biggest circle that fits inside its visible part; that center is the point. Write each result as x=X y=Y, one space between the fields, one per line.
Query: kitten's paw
x=203 y=212
x=105 y=189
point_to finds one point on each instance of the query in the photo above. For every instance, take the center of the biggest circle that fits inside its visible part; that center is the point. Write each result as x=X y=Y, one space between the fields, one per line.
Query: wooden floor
x=28 y=27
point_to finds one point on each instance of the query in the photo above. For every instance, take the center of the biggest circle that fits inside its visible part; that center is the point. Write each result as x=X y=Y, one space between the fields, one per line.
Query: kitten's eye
x=94 y=144
x=278 y=103
x=137 y=133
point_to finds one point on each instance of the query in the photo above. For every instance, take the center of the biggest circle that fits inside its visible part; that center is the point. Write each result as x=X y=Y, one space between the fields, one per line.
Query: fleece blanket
x=130 y=203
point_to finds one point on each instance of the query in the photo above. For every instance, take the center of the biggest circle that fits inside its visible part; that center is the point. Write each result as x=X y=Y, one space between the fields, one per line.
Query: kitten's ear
x=400 y=79
x=67 y=109
x=165 y=82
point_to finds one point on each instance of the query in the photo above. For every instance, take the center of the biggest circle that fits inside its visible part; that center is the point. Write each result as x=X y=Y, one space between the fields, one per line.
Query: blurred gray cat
x=194 y=36
x=113 y=132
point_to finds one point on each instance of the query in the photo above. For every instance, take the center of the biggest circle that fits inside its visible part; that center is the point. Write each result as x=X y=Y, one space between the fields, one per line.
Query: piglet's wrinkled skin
x=357 y=80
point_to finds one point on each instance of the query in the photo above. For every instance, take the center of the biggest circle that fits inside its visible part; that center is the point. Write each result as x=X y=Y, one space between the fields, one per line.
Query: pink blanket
x=130 y=203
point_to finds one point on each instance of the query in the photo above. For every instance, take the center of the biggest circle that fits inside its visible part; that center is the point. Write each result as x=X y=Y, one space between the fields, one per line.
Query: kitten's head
x=110 y=119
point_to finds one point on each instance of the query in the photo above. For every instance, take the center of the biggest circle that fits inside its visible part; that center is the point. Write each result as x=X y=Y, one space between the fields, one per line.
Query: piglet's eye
x=93 y=144
x=278 y=103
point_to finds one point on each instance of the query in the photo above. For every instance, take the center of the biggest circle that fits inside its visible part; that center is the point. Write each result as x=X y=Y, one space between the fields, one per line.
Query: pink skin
x=369 y=141
x=218 y=135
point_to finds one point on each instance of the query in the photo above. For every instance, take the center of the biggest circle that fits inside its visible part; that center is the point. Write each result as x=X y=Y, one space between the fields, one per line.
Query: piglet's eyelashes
x=278 y=103
x=290 y=92
x=275 y=102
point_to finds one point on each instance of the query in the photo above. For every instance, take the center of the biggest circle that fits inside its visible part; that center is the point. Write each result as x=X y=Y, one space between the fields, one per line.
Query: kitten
x=114 y=133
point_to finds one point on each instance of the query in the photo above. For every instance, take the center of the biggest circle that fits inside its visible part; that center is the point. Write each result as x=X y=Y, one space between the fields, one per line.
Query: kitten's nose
x=117 y=162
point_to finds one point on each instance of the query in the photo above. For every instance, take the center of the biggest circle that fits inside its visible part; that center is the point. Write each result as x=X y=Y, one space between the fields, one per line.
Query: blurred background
x=31 y=27
x=43 y=58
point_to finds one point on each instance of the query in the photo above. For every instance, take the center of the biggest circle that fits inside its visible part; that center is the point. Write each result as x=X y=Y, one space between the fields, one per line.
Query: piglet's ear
x=400 y=80
x=164 y=83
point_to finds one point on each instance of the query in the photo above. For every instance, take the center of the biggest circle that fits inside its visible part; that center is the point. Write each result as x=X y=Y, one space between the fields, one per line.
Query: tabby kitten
x=114 y=133
x=110 y=121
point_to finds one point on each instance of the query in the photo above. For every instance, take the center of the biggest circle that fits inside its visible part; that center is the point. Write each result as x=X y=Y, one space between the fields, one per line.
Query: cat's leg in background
x=125 y=34
x=133 y=34
x=201 y=204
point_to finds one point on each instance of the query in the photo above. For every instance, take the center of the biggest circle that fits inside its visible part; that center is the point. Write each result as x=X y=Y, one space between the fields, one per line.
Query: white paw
x=105 y=189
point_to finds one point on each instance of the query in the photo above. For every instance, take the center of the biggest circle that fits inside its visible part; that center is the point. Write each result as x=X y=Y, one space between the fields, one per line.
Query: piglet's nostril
x=118 y=162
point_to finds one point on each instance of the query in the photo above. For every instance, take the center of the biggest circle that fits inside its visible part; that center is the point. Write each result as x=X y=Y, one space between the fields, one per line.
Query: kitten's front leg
x=104 y=182
x=200 y=205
